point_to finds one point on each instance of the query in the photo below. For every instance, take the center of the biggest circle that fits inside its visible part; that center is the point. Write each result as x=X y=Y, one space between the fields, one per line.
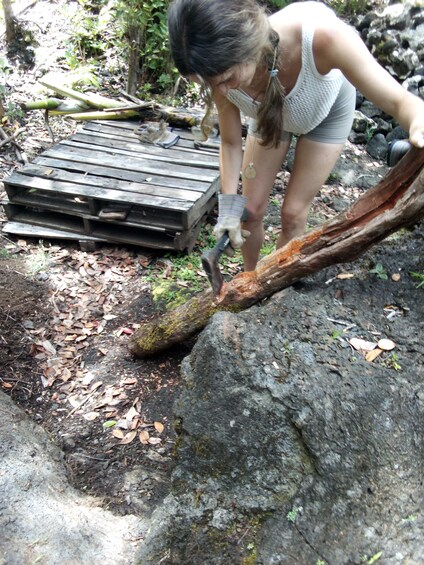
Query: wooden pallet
x=104 y=183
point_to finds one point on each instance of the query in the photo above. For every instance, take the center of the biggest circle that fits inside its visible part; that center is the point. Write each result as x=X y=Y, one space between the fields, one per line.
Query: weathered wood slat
x=149 y=152
x=113 y=233
x=123 y=174
x=127 y=162
x=29 y=230
x=100 y=193
x=185 y=143
x=140 y=188
x=184 y=149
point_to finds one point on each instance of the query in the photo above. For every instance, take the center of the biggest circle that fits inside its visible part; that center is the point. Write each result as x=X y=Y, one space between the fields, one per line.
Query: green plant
x=92 y=33
x=380 y=271
x=292 y=515
x=336 y=334
x=418 y=276
x=39 y=261
x=411 y=518
x=392 y=362
x=348 y=7
x=142 y=26
x=278 y=4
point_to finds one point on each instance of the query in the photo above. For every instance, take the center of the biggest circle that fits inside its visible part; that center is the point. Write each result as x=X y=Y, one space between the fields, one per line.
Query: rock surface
x=294 y=449
x=44 y=520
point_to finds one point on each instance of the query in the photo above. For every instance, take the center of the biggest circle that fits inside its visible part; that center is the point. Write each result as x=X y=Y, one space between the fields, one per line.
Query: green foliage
x=392 y=362
x=348 y=7
x=145 y=22
x=292 y=515
x=277 y=4
x=418 y=276
x=380 y=271
x=93 y=33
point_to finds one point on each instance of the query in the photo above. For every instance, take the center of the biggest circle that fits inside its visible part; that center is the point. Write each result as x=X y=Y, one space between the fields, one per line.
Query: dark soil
x=66 y=314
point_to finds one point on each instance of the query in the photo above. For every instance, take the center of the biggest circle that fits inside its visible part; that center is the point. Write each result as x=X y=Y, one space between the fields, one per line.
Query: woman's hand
x=416 y=131
x=231 y=207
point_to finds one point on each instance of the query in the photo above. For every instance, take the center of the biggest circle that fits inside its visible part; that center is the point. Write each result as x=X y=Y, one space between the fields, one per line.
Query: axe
x=211 y=257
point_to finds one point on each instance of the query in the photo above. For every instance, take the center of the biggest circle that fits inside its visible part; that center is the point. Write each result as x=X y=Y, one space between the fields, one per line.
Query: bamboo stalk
x=92 y=100
x=117 y=115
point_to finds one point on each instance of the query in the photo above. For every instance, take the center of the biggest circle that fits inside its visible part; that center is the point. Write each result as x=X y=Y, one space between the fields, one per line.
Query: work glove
x=230 y=211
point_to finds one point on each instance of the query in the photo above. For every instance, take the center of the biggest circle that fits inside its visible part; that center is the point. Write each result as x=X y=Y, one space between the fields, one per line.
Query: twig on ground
x=10 y=138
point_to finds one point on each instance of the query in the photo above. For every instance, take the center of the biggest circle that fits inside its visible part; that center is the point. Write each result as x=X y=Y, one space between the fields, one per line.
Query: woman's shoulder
x=302 y=11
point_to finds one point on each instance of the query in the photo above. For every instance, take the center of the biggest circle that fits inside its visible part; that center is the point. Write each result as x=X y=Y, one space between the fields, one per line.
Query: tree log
x=396 y=202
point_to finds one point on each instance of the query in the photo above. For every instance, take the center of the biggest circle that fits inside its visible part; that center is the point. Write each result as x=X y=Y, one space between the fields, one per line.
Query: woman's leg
x=313 y=163
x=267 y=162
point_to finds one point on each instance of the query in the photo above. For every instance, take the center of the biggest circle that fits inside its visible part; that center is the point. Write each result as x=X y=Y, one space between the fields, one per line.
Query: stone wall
x=395 y=36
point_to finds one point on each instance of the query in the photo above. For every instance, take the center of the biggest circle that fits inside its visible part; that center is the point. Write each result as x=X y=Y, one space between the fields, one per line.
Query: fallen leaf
x=132 y=413
x=49 y=347
x=159 y=427
x=371 y=355
x=129 y=381
x=116 y=432
x=90 y=416
x=362 y=344
x=128 y=437
x=144 y=436
x=109 y=424
x=386 y=344
x=154 y=440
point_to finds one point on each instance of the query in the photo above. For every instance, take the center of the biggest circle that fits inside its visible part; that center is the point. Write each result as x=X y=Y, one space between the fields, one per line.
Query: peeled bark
x=396 y=202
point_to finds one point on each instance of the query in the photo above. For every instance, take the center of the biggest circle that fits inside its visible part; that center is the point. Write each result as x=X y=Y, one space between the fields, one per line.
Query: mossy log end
x=396 y=202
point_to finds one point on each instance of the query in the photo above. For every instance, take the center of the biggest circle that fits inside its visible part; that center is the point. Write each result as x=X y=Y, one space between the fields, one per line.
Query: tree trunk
x=10 y=22
x=396 y=202
x=134 y=38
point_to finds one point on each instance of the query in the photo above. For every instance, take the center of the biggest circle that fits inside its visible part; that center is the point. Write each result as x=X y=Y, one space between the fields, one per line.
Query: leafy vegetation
x=380 y=271
x=419 y=277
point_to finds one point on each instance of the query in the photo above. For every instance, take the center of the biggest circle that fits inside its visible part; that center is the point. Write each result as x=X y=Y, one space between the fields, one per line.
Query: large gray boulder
x=293 y=448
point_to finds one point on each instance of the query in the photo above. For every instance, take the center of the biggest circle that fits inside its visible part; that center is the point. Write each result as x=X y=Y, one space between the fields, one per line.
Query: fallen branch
x=10 y=138
x=396 y=202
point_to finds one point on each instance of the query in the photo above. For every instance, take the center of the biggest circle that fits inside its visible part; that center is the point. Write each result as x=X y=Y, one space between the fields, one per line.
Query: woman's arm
x=337 y=45
x=231 y=143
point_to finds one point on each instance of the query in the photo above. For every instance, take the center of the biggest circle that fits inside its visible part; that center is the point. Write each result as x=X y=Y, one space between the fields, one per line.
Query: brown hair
x=207 y=37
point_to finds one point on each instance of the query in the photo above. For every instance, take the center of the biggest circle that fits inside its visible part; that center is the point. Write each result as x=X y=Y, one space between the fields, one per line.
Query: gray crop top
x=313 y=95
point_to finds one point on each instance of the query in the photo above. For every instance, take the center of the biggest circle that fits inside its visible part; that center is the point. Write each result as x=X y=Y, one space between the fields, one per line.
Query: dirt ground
x=66 y=315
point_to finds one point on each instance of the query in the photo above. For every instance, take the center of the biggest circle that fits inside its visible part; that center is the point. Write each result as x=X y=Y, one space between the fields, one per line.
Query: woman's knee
x=293 y=215
x=255 y=214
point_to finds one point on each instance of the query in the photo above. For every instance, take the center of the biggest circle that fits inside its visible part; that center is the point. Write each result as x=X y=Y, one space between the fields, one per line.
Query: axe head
x=210 y=263
x=211 y=268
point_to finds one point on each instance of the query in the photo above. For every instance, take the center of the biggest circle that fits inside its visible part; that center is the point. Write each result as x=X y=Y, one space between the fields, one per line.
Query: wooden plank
x=29 y=230
x=128 y=163
x=184 y=144
x=140 y=188
x=182 y=150
x=151 y=152
x=16 y=179
x=59 y=196
x=114 y=234
x=122 y=174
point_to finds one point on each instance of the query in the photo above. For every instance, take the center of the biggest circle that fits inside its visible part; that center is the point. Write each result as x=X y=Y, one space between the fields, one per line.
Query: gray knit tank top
x=313 y=95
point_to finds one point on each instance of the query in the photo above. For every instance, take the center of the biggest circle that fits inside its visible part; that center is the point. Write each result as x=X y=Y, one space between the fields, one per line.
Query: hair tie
x=273 y=73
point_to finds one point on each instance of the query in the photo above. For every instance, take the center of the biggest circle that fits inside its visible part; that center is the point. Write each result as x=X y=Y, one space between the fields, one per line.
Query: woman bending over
x=293 y=73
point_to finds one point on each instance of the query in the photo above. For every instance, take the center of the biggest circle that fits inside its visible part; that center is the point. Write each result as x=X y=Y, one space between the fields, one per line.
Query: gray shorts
x=335 y=128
